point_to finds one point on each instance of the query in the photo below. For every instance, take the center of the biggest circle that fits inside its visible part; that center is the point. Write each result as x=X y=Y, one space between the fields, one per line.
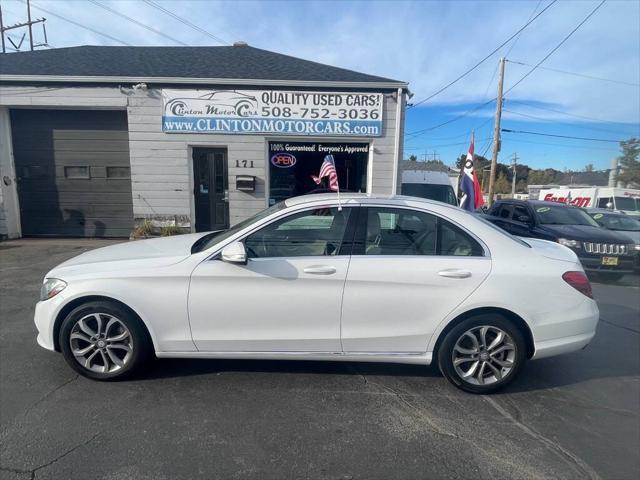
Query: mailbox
x=246 y=183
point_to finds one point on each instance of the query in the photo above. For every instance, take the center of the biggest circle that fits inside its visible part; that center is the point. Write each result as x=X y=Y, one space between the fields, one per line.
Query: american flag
x=328 y=169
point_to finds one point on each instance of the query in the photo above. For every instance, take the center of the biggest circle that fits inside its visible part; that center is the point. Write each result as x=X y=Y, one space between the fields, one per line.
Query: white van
x=428 y=184
x=625 y=200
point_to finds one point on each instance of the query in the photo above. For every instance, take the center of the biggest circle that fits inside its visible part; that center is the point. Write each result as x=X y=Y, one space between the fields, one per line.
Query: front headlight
x=635 y=247
x=570 y=243
x=51 y=287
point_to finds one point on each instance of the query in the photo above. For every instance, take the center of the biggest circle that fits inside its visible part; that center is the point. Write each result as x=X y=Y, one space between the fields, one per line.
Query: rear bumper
x=565 y=331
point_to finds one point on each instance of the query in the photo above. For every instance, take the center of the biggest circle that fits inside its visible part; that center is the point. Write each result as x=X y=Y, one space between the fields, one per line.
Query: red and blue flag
x=469 y=185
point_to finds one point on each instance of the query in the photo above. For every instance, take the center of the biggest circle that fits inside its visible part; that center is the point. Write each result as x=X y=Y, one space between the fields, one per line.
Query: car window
x=397 y=231
x=213 y=238
x=452 y=240
x=520 y=211
x=602 y=202
x=317 y=232
x=505 y=211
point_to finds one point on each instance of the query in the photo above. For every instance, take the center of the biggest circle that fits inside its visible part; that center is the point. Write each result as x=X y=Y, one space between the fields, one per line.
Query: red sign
x=576 y=202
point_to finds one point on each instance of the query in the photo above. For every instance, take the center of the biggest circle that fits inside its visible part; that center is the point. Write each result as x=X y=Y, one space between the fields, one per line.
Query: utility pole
x=29 y=24
x=496 y=134
x=514 y=162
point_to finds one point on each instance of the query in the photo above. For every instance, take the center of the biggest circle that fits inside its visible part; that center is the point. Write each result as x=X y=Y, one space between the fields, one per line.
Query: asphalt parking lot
x=574 y=416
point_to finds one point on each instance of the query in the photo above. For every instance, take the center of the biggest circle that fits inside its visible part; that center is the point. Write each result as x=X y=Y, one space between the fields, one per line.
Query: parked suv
x=601 y=251
x=620 y=222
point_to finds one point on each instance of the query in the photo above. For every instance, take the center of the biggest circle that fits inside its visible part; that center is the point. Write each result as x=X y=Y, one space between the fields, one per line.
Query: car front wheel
x=104 y=341
x=482 y=354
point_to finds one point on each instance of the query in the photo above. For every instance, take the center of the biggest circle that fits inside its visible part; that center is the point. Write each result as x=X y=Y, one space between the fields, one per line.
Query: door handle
x=320 y=270
x=455 y=273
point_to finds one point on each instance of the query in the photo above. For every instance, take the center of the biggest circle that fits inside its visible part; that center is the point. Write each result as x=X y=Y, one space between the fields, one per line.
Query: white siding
x=161 y=173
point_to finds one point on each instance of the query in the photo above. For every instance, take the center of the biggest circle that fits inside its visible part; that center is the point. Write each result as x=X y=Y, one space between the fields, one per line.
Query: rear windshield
x=563 y=215
x=440 y=193
x=627 y=203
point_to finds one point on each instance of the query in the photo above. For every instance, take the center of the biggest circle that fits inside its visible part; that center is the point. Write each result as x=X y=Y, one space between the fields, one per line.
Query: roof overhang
x=200 y=81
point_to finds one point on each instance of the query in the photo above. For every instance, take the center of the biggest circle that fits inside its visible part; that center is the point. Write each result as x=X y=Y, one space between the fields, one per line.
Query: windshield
x=617 y=222
x=627 y=203
x=561 y=215
x=440 y=193
x=212 y=238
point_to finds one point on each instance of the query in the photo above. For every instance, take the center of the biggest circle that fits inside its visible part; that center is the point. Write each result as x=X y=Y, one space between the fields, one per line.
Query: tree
x=588 y=167
x=413 y=158
x=502 y=184
x=630 y=166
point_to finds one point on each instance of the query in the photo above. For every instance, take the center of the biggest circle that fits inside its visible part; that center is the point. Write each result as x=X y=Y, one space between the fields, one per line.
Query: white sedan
x=389 y=279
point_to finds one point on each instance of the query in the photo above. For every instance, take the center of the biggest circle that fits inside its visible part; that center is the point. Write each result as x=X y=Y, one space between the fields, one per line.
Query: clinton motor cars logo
x=220 y=102
x=283 y=160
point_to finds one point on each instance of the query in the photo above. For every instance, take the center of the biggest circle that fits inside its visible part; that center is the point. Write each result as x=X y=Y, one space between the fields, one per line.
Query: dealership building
x=94 y=140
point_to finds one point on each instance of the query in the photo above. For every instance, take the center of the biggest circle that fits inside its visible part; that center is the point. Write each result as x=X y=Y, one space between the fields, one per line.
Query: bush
x=170 y=230
x=145 y=229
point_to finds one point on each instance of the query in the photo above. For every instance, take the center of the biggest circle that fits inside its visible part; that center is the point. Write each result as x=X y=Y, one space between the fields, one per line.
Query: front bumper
x=44 y=318
x=593 y=263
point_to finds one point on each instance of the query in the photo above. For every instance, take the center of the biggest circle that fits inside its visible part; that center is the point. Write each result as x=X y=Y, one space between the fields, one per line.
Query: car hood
x=634 y=236
x=154 y=252
x=586 y=233
x=551 y=250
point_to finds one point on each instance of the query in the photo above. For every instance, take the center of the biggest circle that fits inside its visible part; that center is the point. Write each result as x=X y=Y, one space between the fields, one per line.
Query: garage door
x=73 y=172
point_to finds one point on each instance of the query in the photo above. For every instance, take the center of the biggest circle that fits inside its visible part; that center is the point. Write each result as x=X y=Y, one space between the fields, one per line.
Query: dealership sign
x=272 y=111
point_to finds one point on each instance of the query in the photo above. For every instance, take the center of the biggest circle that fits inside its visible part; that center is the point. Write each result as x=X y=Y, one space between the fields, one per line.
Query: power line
x=565 y=113
x=484 y=59
x=560 y=136
x=81 y=26
x=590 y=147
x=556 y=47
x=476 y=108
x=578 y=74
x=140 y=24
x=185 y=21
x=576 y=125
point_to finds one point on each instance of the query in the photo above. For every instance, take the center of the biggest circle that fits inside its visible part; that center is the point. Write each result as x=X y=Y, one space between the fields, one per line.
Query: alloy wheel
x=100 y=342
x=484 y=355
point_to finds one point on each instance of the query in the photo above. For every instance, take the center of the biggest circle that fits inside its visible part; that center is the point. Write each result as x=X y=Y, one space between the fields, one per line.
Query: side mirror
x=234 y=253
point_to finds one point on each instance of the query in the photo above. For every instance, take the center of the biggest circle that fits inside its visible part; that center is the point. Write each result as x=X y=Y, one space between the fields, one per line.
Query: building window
x=77 y=172
x=118 y=172
x=292 y=164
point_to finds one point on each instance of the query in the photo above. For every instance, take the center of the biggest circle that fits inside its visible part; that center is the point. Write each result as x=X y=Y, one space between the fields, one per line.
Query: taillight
x=579 y=281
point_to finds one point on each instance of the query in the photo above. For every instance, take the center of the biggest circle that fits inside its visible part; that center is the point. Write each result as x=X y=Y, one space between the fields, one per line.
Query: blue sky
x=427 y=44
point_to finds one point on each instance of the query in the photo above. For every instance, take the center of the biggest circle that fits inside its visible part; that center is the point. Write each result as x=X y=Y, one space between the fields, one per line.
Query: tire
x=102 y=331
x=504 y=359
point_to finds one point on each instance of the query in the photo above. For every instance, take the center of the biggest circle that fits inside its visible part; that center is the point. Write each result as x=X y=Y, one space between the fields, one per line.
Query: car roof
x=363 y=198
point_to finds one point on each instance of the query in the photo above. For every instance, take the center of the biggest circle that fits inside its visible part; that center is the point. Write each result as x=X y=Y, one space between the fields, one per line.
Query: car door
x=409 y=269
x=288 y=296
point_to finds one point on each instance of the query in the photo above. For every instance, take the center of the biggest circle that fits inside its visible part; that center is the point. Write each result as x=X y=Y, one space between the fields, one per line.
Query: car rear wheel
x=482 y=354
x=104 y=341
